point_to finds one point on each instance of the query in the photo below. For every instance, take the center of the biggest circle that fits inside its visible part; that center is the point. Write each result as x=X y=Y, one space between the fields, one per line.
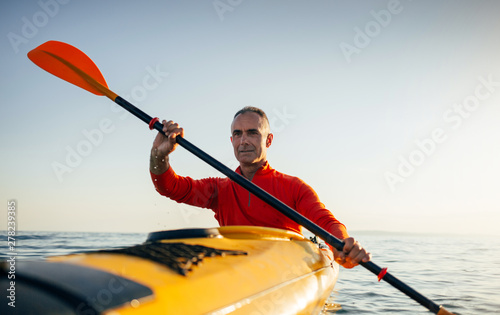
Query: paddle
x=72 y=65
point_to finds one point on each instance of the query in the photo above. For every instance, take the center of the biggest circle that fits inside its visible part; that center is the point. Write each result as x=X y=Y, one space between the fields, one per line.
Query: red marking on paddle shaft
x=382 y=274
x=152 y=123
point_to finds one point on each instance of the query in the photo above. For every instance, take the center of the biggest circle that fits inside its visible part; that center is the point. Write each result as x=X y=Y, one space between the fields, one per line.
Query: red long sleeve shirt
x=234 y=205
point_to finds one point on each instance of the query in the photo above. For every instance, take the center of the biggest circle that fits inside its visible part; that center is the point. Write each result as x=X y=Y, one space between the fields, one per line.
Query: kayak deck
x=254 y=271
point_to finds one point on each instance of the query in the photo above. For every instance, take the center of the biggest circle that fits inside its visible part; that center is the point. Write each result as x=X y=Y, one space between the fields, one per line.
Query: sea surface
x=461 y=273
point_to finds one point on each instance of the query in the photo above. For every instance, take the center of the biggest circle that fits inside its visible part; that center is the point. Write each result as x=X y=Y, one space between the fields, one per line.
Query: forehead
x=247 y=120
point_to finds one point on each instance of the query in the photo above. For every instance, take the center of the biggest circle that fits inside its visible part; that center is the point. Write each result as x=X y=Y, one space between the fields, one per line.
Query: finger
x=173 y=128
x=167 y=127
x=359 y=257
x=172 y=125
x=176 y=132
x=164 y=123
x=367 y=257
x=355 y=251
x=352 y=254
x=353 y=257
x=172 y=134
x=348 y=244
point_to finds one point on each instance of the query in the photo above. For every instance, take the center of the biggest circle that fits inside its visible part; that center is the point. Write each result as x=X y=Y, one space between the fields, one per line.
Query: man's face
x=250 y=137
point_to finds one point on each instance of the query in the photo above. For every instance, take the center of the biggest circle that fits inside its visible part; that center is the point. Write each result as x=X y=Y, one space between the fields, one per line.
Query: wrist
x=158 y=163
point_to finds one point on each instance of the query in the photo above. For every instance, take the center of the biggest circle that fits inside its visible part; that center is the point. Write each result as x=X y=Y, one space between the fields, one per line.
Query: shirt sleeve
x=200 y=193
x=311 y=207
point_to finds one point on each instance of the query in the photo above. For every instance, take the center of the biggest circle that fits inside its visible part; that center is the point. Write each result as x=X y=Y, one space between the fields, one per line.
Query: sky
x=388 y=109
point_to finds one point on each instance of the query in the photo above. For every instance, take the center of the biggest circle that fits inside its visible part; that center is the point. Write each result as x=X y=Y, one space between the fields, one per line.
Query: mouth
x=245 y=151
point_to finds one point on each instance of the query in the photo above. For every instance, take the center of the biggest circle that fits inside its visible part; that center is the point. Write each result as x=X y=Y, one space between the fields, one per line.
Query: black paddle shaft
x=280 y=206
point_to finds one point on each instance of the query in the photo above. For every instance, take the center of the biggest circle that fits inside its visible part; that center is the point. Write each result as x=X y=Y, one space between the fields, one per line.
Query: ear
x=231 y=139
x=269 y=140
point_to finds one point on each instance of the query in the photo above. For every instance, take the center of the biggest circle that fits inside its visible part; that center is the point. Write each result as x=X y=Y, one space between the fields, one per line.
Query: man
x=232 y=204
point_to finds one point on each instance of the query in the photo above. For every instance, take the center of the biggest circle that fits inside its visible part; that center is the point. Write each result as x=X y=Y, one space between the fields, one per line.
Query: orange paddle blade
x=70 y=64
x=443 y=311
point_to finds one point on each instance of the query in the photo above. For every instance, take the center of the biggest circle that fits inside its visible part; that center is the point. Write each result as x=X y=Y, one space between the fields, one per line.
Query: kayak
x=225 y=270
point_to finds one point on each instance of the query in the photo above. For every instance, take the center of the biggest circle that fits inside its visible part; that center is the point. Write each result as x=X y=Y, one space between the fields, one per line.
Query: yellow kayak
x=226 y=270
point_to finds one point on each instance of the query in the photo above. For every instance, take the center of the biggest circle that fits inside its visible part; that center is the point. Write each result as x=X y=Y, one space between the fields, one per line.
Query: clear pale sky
x=390 y=110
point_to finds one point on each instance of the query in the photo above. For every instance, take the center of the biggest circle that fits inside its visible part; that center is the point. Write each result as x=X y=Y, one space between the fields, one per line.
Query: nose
x=244 y=139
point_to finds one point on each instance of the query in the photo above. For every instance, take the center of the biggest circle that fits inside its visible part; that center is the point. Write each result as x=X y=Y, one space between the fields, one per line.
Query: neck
x=248 y=171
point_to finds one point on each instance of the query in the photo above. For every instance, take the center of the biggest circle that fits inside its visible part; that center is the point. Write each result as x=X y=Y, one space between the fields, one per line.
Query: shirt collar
x=264 y=169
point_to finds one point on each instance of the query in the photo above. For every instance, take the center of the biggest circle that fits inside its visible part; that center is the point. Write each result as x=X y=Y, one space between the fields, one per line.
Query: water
x=462 y=273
